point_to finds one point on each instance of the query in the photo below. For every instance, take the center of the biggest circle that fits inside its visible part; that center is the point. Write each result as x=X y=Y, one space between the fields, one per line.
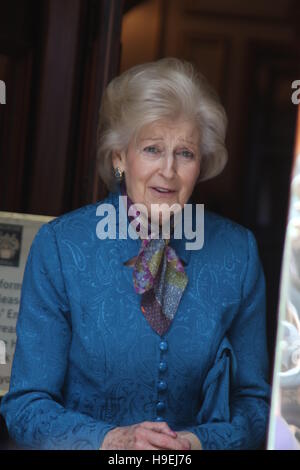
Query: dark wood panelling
x=254 y=11
x=129 y=4
x=55 y=58
x=18 y=25
x=101 y=64
x=17 y=37
x=57 y=83
x=210 y=53
x=14 y=121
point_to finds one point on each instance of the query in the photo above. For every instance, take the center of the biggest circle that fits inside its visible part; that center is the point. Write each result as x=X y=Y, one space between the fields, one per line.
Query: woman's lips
x=162 y=192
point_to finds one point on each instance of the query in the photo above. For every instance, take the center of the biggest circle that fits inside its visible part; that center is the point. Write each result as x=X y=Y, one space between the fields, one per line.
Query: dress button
x=160 y=406
x=162 y=366
x=159 y=418
x=163 y=346
x=162 y=385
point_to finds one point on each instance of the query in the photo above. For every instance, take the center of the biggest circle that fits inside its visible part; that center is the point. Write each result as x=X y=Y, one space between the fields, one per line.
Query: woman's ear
x=118 y=159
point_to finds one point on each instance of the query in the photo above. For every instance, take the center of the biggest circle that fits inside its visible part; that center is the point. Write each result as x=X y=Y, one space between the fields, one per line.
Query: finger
x=163 y=441
x=162 y=427
x=186 y=442
x=162 y=430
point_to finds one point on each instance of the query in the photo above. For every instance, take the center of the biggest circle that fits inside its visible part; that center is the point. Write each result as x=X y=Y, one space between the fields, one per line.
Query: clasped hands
x=149 y=435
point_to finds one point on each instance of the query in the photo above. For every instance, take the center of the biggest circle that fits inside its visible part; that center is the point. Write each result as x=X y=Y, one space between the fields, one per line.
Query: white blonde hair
x=167 y=88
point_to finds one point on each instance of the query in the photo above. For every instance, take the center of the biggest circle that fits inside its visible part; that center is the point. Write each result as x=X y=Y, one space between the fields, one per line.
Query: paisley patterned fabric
x=87 y=360
x=159 y=276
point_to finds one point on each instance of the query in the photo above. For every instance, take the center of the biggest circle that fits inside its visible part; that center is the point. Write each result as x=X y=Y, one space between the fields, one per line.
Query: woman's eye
x=151 y=149
x=186 y=153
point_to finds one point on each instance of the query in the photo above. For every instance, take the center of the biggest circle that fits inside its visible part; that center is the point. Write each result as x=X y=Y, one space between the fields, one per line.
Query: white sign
x=17 y=232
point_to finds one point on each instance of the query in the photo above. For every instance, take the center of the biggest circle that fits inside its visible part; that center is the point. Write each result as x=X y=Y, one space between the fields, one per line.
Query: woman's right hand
x=147 y=435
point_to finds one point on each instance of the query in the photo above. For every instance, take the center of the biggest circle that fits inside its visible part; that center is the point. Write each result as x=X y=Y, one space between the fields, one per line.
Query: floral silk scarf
x=159 y=276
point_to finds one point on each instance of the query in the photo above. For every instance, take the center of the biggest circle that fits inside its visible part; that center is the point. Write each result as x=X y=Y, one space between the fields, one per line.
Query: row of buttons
x=162 y=384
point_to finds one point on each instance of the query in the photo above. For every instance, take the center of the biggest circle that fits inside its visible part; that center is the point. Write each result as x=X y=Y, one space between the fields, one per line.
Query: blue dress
x=87 y=361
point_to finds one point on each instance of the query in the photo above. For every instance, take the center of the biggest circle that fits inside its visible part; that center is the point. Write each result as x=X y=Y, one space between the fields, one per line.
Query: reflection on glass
x=284 y=429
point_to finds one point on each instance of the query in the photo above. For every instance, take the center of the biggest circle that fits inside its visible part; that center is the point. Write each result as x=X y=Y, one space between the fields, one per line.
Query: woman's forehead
x=182 y=129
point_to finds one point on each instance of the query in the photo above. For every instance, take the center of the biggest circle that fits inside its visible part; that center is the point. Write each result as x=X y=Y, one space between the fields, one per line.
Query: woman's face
x=163 y=164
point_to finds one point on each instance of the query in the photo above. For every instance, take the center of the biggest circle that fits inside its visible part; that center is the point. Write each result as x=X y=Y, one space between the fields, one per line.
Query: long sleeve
x=34 y=406
x=234 y=412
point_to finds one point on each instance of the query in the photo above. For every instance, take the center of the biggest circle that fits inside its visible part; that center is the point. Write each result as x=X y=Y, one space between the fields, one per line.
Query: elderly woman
x=127 y=341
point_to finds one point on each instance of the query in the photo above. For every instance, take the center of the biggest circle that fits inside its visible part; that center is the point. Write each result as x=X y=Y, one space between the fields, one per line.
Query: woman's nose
x=168 y=166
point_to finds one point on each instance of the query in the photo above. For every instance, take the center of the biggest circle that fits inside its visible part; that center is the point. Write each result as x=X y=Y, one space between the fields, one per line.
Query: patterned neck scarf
x=159 y=277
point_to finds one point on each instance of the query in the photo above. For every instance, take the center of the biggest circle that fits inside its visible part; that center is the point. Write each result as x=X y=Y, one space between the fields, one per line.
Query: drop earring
x=119 y=174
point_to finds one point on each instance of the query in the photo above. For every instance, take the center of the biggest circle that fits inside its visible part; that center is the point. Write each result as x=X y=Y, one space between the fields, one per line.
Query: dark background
x=56 y=56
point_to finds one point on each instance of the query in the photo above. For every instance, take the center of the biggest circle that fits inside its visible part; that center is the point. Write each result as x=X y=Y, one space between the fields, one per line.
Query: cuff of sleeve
x=105 y=429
